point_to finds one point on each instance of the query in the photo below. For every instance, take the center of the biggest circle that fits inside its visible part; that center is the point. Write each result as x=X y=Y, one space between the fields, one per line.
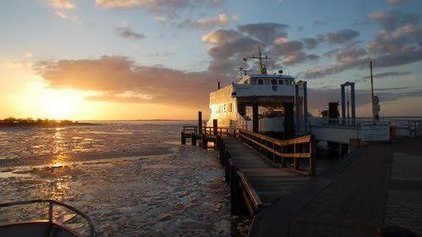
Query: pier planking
x=257 y=172
x=270 y=183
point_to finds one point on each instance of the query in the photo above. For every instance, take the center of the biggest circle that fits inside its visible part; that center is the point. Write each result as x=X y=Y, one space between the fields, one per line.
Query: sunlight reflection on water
x=132 y=179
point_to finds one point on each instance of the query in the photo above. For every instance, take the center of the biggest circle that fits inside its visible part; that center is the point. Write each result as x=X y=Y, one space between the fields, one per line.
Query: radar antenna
x=262 y=67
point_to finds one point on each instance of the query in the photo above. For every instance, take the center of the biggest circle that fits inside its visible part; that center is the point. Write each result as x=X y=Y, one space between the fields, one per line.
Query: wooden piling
x=255 y=118
x=204 y=141
x=193 y=138
x=312 y=161
x=235 y=195
x=228 y=167
x=183 y=138
x=215 y=126
x=199 y=122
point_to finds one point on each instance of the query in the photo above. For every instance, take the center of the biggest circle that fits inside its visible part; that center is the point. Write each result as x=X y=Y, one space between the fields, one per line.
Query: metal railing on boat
x=93 y=231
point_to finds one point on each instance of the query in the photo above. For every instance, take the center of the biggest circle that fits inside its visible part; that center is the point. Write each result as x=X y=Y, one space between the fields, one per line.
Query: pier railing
x=205 y=134
x=222 y=131
x=288 y=154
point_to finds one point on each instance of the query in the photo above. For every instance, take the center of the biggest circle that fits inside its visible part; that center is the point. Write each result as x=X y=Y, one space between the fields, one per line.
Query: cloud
x=390 y=20
x=310 y=43
x=347 y=54
x=206 y=23
x=396 y=2
x=388 y=74
x=398 y=42
x=61 y=9
x=165 y=9
x=221 y=36
x=339 y=37
x=291 y=51
x=120 y=79
x=264 y=32
x=149 y=4
x=228 y=48
x=128 y=33
x=400 y=39
x=63 y=4
x=321 y=97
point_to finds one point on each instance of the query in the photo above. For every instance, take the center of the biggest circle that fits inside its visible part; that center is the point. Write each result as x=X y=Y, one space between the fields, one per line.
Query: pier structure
x=374 y=189
x=346 y=106
x=259 y=169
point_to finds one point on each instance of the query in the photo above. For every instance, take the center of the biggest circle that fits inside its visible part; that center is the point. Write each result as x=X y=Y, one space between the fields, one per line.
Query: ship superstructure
x=257 y=102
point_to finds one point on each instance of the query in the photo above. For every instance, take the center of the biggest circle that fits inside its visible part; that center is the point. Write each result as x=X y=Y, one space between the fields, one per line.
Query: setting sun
x=60 y=104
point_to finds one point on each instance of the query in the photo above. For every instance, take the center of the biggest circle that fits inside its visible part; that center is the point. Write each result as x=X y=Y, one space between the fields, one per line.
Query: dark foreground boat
x=44 y=228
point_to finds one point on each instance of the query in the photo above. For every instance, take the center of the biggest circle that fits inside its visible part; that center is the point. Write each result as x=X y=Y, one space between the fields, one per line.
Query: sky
x=160 y=59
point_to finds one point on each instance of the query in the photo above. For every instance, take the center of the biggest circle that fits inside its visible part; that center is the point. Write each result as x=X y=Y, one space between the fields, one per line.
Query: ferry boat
x=257 y=102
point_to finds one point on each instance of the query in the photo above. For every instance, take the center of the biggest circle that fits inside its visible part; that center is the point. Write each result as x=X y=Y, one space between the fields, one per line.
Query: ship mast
x=262 y=67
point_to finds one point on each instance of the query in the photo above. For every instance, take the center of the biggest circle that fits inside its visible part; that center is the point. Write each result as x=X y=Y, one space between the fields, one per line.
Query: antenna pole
x=262 y=67
x=372 y=92
x=261 y=64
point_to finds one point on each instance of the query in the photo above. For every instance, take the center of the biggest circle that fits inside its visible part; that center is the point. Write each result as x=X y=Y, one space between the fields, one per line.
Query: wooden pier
x=259 y=169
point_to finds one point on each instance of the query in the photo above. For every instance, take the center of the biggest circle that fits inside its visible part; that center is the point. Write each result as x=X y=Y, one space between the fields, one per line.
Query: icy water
x=131 y=178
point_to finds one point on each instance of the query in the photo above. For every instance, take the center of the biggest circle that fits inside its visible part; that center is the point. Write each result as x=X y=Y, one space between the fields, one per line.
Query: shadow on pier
x=374 y=191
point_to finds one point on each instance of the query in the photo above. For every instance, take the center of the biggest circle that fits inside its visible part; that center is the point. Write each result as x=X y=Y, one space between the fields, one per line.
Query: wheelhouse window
x=274 y=82
x=267 y=82
x=280 y=82
x=260 y=82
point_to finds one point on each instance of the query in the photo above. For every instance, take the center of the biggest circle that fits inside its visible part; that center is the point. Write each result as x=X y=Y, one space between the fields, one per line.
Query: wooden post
x=312 y=160
x=255 y=118
x=183 y=138
x=289 y=130
x=295 y=160
x=235 y=198
x=199 y=122
x=193 y=139
x=204 y=141
x=228 y=167
x=215 y=126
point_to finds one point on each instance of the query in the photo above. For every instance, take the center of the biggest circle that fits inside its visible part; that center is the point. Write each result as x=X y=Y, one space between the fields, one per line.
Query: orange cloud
x=120 y=79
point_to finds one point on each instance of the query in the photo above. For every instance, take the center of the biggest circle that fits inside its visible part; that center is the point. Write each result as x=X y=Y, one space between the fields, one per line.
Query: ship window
x=253 y=82
x=267 y=82
x=286 y=82
x=274 y=82
x=260 y=82
x=280 y=82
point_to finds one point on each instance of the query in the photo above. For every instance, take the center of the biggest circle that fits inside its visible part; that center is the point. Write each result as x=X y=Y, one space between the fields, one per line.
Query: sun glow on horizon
x=63 y=104
x=36 y=100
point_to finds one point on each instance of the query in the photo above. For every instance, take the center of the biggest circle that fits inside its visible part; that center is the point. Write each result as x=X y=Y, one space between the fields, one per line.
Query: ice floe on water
x=179 y=193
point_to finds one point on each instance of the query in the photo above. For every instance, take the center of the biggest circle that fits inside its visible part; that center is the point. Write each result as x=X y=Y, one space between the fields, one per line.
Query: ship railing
x=334 y=122
x=52 y=204
x=401 y=127
x=297 y=154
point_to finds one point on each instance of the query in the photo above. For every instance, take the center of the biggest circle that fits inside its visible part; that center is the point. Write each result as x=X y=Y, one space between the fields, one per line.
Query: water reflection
x=58 y=143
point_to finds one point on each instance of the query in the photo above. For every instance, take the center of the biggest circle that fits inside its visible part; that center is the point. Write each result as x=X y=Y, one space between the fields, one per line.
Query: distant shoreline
x=4 y=125
x=41 y=123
